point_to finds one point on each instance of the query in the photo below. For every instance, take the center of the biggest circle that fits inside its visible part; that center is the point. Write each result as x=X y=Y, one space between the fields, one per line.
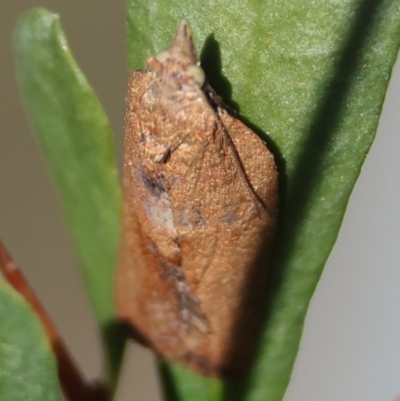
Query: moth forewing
x=199 y=214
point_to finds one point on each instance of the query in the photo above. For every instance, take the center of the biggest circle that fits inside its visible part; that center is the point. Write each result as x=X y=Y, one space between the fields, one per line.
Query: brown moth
x=199 y=213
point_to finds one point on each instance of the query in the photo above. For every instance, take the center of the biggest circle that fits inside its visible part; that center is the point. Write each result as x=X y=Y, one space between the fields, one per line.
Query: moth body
x=199 y=214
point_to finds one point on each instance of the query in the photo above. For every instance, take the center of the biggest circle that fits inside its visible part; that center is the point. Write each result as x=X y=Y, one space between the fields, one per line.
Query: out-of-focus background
x=351 y=344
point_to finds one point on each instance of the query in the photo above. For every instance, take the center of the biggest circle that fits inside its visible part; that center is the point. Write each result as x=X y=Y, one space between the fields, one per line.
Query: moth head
x=179 y=66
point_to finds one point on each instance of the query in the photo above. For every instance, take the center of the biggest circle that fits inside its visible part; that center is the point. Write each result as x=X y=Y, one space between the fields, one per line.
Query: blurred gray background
x=350 y=349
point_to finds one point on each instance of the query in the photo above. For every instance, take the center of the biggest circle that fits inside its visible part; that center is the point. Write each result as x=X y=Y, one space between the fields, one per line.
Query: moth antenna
x=74 y=387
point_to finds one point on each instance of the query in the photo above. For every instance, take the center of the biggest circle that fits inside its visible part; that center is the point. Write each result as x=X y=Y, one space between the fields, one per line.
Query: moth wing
x=225 y=214
x=200 y=203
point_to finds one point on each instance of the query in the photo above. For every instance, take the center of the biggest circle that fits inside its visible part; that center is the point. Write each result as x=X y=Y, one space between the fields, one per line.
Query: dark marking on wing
x=188 y=304
x=155 y=185
x=190 y=217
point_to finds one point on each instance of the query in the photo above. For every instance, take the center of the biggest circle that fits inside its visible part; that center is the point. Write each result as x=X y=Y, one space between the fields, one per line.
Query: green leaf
x=182 y=384
x=313 y=75
x=28 y=370
x=75 y=134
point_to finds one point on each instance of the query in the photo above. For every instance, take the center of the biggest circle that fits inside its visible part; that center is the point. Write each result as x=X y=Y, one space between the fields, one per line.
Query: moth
x=199 y=212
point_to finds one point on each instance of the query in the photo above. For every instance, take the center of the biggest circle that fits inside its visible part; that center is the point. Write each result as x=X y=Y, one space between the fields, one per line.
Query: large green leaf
x=28 y=369
x=75 y=134
x=313 y=75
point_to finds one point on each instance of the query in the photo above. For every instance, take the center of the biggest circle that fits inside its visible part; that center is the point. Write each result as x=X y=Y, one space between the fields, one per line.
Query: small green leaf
x=75 y=134
x=182 y=384
x=313 y=75
x=28 y=369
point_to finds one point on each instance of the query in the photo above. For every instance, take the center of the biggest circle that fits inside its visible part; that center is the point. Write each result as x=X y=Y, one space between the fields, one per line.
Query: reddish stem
x=74 y=387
